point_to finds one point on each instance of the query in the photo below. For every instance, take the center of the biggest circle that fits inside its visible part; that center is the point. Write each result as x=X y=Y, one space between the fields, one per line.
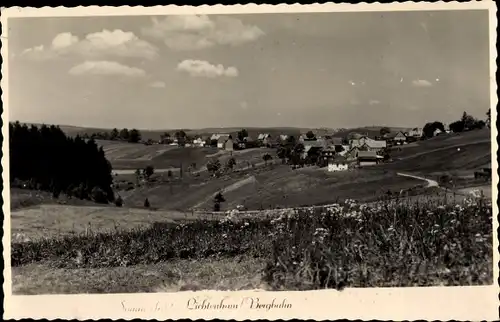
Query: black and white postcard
x=321 y=161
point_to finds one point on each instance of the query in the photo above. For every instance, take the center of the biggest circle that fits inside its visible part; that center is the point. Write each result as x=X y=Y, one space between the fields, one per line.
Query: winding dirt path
x=430 y=182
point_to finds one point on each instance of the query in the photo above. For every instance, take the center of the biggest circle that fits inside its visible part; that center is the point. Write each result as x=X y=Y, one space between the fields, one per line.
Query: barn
x=367 y=158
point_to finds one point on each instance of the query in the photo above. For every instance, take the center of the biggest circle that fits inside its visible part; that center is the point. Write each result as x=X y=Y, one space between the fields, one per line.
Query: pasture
x=132 y=156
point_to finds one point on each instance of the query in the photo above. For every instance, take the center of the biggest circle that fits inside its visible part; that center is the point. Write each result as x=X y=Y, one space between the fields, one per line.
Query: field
x=425 y=236
x=392 y=243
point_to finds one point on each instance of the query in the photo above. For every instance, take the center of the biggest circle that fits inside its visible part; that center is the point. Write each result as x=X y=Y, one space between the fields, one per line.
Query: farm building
x=345 y=150
x=216 y=136
x=308 y=145
x=199 y=141
x=359 y=140
x=221 y=141
x=229 y=144
x=396 y=138
x=372 y=145
x=415 y=132
x=338 y=164
x=336 y=141
x=437 y=132
x=283 y=137
x=352 y=153
x=327 y=154
x=264 y=138
x=367 y=158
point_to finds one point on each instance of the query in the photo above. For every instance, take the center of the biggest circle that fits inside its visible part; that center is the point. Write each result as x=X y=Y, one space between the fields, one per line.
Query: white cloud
x=201 y=68
x=104 y=43
x=106 y=68
x=374 y=102
x=64 y=40
x=421 y=83
x=192 y=32
x=158 y=84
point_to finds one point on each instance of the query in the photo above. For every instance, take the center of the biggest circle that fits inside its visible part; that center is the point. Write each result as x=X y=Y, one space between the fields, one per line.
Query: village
x=329 y=150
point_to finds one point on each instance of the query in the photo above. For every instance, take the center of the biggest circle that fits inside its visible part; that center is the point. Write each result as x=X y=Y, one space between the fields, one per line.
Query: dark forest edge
x=44 y=158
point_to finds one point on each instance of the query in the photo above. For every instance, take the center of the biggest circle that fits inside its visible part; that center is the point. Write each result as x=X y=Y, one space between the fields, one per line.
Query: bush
x=99 y=196
x=119 y=201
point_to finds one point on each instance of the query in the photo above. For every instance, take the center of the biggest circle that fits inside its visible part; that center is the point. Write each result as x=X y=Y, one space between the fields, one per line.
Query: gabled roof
x=392 y=135
x=223 y=138
x=314 y=143
x=376 y=144
x=336 y=141
x=367 y=154
x=263 y=136
x=216 y=136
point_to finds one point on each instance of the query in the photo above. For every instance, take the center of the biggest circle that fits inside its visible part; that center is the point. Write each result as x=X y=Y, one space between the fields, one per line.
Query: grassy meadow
x=388 y=243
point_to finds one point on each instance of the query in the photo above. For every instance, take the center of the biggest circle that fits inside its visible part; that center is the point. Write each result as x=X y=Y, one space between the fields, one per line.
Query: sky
x=330 y=70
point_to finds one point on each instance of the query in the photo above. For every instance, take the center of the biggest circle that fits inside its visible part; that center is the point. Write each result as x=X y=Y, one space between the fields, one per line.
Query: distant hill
x=154 y=134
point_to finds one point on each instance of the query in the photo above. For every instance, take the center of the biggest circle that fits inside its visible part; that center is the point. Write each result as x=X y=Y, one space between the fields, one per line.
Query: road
x=430 y=183
x=132 y=171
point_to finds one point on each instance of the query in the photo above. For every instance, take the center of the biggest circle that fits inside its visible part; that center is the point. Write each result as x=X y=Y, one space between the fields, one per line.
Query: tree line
x=44 y=158
x=132 y=136
x=468 y=122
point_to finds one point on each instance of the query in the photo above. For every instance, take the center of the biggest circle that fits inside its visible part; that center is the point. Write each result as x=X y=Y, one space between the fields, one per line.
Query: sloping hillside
x=457 y=152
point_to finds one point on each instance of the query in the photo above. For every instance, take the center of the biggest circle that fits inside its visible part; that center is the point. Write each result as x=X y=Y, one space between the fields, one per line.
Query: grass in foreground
x=392 y=243
x=239 y=273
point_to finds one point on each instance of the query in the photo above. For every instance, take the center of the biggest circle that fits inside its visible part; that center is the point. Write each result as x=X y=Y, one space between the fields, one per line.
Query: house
x=308 y=145
x=359 y=140
x=415 y=132
x=221 y=141
x=344 y=150
x=283 y=137
x=216 y=136
x=367 y=158
x=336 y=141
x=437 y=132
x=372 y=145
x=352 y=153
x=338 y=163
x=396 y=138
x=229 y=144
x=327 y=154
x=264 y=138
x=199 y=141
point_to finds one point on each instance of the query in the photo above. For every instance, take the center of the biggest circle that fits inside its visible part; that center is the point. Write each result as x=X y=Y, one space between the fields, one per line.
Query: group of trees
x=181 y=137
x=467 y=123
x=430 y=128
x=132 y=136
x=46 y=159
x=291 y=151
x=215 y=167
